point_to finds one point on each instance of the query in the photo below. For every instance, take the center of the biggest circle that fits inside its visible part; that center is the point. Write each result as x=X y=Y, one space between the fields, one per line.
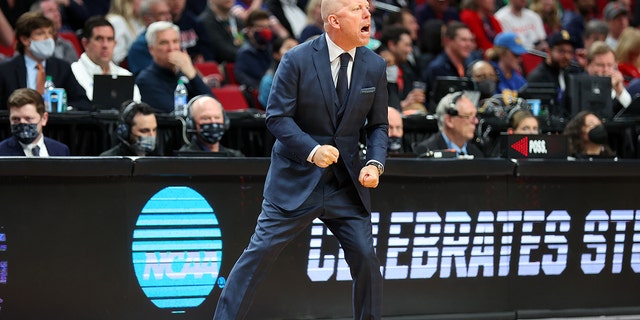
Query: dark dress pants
x=340 y=208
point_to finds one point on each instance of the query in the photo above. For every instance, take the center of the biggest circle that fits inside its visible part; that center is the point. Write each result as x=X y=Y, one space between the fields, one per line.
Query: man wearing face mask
x=29 y=69
x=27 y=117
x=209 y=122
x=136 y=132
x=395 y=131
x=254 y=57
x=484 y=74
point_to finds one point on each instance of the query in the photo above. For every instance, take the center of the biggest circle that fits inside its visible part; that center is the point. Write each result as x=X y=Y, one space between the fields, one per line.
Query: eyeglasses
x=468 y=117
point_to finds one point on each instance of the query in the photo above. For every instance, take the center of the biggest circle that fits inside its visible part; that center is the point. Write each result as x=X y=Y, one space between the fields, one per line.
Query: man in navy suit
x=317 y=110
x=34 y=33
x=27 y=117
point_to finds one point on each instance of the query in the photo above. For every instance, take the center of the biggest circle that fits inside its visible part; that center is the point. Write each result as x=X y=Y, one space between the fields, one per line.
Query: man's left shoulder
x=56 y=148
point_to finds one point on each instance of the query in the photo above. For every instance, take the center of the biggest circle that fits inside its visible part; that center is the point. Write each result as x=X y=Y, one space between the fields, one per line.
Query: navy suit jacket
x=437 y=142
x=301 y=113
x=14 y=76
x=10 y=147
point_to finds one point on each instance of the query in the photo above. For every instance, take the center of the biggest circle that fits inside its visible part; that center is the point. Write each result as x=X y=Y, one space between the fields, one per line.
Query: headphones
x=123 y=130
x=451 y=109
x=190 y=123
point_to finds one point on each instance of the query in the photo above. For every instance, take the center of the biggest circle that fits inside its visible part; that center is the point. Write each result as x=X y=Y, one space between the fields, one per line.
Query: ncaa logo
x=177 y=249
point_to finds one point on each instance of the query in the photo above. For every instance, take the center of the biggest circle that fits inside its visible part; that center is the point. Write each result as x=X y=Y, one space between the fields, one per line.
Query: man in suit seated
x=34 y=33
x=457 y=123
x=136 y=131
x=27 y=117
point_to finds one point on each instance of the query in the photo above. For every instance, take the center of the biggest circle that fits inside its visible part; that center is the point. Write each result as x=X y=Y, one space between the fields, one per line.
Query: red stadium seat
x=530 y=62
x=231 y=97
x=73 y=38
x=8 y=51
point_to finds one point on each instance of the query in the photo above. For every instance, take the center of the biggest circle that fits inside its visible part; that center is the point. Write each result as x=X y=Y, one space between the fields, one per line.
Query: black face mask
x=25 y=132
x=395 y=145
x=598 y=134
x=487 y=88
x=211 y=132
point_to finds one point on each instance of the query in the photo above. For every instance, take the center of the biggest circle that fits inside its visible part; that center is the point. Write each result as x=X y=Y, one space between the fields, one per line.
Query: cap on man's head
x=510 y=41
x=560 y=37
x=614 y=9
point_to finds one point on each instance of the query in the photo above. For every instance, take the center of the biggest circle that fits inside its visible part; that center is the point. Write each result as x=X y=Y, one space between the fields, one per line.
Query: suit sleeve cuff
x=377 y=164
x=310 y=157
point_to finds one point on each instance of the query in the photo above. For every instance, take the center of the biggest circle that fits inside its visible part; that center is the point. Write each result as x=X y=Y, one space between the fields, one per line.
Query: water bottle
x=48 y=86
x=180 y=100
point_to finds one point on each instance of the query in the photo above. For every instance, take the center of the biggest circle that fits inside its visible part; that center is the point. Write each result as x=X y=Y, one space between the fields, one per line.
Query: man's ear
x=45 y=118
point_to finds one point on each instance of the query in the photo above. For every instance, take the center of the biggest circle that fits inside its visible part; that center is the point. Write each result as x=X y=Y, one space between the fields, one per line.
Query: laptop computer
x=630 y=113
x=110 y=91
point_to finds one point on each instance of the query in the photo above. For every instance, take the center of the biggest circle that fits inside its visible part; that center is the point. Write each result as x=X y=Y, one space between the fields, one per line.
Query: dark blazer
x=11 y=147
x=14 y=76
x=436 y=142
x=301 y=114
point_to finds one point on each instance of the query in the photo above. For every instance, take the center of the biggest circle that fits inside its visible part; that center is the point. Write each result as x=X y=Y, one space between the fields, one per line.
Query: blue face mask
x=25 y=132
x=211 y=132
x=144 y=145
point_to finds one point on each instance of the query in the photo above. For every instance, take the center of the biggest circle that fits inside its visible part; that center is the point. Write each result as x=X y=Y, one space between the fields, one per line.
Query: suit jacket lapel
x=323 y=68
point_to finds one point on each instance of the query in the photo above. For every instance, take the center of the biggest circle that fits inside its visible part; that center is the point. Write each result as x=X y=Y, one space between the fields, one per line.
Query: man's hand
x=182 y=62
x=325 y=156
x=369 y=176
x=617 y=82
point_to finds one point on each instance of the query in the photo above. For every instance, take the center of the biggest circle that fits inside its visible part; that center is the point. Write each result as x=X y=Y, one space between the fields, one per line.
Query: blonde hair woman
x=628 y=54
x=124 y=15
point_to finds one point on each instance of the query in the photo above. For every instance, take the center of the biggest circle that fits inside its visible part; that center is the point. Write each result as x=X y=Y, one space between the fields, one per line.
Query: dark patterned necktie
x=35 y=151
x=342 y=86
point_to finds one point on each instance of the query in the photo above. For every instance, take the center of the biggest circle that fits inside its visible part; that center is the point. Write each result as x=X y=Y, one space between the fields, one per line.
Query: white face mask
x=42 y=49
x=392 y=74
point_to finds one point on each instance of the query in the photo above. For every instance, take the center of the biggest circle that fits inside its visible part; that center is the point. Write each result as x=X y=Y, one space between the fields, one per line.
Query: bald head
x=206 y=110
x=395 y=122
x=329 y=7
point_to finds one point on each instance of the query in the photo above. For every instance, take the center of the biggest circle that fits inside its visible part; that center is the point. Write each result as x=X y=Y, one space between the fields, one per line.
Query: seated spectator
x=634 y=88
x=430 y=41
x=573 y=21
x=457 y=121
x=616 y=14
x=402 y=94
x=29 y=69
x=556 y=68
x=158 y=81
x=280 y=47
x=99 y=41
x=315 y=25
x=601 y=61
x=254 y=58
x=628 y=54
x=224 y=29
x=124 y=16
x=136 y=132
x=548 y=11
x=65 y=50
x=396 y=132
x=478 y=16
x=289 y=13
x=452 y=62
x=441 y=10
x=587 y=136
x=193 y=35
x=27 y=117
x=208 y=122
x=517 y=18
x=506 y=56
x=522 y=121
x=485 y=77
x=595 y=30
x=151 y=11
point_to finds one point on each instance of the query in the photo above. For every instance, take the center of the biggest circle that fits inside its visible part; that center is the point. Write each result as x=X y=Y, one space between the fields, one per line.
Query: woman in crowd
x=587 y=136
x=478 y=16
x=628 y=54
x=506 y=57
x=124 y=15
x=548 y=11
x=522 y=121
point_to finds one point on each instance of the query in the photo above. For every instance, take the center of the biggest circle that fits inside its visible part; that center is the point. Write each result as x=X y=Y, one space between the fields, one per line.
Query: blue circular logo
x=177 y=249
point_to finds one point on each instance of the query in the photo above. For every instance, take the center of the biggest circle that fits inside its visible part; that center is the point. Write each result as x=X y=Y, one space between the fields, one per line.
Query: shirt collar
x=30 y=63
x=453 y=146
x=91 y=67
x=335 y=51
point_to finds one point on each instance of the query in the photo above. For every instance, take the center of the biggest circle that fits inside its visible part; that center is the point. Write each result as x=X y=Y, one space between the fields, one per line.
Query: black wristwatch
x=378 y=166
